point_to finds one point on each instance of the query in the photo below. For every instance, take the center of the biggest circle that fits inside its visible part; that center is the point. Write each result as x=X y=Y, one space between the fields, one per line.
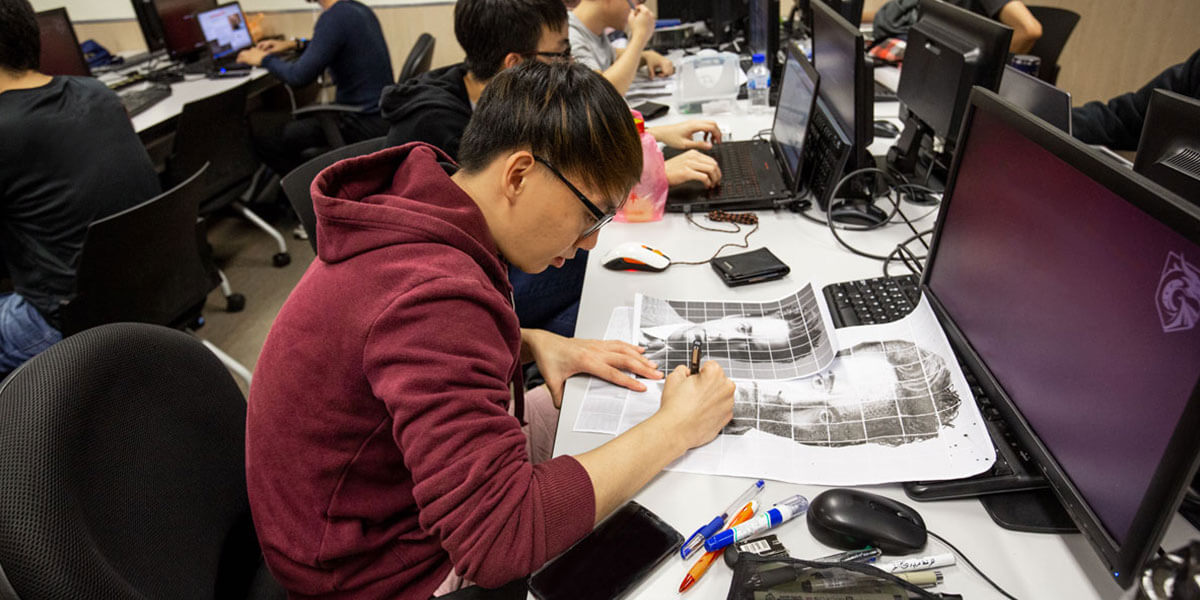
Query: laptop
x=1045 y=101
x=227 y=33
x=760 y=174
x=1054 y=275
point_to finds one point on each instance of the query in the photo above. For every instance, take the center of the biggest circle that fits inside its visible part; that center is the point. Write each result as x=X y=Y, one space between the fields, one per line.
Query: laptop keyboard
x=886 y=299
x=872 y=301
x=138 y=101
x=738 y=179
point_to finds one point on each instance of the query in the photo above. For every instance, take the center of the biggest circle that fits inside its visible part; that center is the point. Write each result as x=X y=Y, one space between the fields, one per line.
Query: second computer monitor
x=847 y=85
x=183 y=37
x=225 y=30
x=1045 y=101
x=850 y=10
x=1169 y=150
x=60 y=48
x=950 y=49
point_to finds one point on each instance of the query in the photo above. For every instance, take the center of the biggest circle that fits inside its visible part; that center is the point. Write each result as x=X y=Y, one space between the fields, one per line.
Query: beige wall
x=1117 y=47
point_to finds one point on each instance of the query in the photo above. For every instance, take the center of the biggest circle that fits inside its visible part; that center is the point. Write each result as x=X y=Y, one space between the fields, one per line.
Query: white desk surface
x=194 y=87
x=1027 y=565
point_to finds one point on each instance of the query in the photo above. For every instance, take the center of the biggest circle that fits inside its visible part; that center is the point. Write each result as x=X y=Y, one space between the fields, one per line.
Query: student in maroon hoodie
x=382 y=457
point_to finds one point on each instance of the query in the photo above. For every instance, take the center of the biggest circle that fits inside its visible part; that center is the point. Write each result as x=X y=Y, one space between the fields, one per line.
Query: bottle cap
x=759 y=57
x=638 y=121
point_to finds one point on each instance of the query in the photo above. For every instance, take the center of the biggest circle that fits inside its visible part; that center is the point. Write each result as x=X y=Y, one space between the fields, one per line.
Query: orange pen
x=706 y=560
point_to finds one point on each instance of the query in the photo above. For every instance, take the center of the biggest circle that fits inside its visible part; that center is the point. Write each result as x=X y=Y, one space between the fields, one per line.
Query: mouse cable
x=972 y=565
x=905 y=256
x=735 y=219
x=895 y=210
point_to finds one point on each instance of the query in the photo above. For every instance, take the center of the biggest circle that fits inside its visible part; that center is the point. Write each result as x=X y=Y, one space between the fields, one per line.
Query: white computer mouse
x=632 y=256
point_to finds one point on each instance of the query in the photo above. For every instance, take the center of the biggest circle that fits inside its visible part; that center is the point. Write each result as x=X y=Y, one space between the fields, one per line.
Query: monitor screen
x=846 y=84
x=61 y=54
x=1045 y=101
x=180 y=31
x=147 y=18
x=225 y=30
x=1082 y=305
x=796 y=99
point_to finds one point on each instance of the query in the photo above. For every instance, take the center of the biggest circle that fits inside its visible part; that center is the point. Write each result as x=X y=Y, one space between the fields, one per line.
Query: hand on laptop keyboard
x=693 y=166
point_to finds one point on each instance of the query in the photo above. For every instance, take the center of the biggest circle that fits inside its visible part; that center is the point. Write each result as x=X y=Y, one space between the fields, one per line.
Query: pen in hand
x=694 y=360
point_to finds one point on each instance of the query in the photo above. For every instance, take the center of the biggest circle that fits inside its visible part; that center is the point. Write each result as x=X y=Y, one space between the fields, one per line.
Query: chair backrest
x=1057 y=25
x=420 y=58
x=214 y=130
x=297 y=185
x=143 y=264
x=122 y=462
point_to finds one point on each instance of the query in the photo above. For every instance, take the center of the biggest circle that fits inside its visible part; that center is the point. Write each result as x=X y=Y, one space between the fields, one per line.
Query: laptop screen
x=1083 y=306
x=61 y=54
x=1045 y=101
x=225 y=29
x=792 y=113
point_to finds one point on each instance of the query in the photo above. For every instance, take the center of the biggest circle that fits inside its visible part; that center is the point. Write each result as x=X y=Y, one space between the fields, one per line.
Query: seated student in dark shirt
x=348 y=41
x=1118 y=123
x=1026 y=28
x=435 y=108
x=68 y=156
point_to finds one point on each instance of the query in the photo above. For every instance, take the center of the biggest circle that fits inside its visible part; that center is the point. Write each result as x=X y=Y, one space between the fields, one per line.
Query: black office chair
x=214 y=130
x=146 y=264
x=297 y=185
x=123 y=467
x=1057 y=25
x=420 y=58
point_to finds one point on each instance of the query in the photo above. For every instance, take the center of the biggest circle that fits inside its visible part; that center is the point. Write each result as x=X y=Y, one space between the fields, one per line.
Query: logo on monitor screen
x=1179 y=294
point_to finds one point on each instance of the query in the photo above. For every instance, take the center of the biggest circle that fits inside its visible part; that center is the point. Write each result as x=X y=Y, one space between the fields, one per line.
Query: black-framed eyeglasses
x=564 y=56
x=602 y=218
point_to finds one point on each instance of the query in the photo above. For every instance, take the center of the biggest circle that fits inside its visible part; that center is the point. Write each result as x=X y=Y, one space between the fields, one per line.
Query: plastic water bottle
x=759 y=85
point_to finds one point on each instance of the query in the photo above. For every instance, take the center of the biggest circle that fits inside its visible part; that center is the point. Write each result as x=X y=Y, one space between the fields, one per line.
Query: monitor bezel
x=1182 y=454
x=57 y=13
x=1165 y=130
x=863 y=128
x=1043 y=88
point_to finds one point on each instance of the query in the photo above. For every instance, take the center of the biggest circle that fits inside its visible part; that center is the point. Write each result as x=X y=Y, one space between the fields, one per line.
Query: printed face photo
x=889 y=393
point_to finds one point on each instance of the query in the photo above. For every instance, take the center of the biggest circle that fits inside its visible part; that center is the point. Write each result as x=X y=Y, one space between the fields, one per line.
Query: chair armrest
x=319 y=109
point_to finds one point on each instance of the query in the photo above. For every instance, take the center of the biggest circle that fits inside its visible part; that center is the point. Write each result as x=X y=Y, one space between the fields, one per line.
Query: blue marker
x=792 y=507
x=693 y=544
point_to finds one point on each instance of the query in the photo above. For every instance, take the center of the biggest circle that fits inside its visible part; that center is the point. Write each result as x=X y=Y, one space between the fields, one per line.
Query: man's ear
x=517 y=169
x=512 y=59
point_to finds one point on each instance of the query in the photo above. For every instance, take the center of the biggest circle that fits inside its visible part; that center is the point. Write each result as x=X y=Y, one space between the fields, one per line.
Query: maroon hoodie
x=379 y=449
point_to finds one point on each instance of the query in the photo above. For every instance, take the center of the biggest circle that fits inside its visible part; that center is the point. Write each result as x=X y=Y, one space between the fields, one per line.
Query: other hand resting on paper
x=558 y=358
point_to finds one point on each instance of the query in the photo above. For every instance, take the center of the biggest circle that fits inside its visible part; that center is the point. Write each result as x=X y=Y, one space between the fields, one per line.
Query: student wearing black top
x=1026 y=28
x=68 y=156
x=348 y=41
x=1118 y=122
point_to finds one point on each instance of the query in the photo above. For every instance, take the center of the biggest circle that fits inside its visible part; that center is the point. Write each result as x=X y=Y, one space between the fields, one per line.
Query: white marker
x=920 y=563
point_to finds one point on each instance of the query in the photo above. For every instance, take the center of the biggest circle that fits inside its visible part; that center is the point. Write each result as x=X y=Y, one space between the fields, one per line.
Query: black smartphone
x=610 y=560
x=749 y=267
x=652 y=110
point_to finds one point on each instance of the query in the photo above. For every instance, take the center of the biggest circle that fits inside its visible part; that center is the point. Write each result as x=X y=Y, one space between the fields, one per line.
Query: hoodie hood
x=370 y=202
x=438 y=89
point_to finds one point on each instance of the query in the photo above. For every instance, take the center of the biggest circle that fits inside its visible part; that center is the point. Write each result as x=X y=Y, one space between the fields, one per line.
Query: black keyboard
x=872 y=301
x=138 y=101
x=738 y=179
x=824 y=156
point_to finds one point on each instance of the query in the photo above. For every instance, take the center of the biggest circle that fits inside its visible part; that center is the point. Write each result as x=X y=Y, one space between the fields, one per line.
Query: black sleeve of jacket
x=441 y=128
x=1118 y=124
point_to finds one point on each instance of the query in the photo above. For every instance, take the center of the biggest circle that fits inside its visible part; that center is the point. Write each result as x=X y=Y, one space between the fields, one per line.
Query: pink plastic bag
x=648 y=199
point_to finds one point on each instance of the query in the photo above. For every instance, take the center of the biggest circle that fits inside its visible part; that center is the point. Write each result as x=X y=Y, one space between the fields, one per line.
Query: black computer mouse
x=851 y=519
x=886 y=129
x=859 y=213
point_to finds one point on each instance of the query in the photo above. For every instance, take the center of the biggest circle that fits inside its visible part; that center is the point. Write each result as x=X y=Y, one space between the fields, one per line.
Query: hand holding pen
x=706 y=560
x=707 y=530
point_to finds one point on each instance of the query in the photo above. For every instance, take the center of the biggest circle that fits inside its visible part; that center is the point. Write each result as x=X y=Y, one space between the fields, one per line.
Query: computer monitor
x=797 y=96
x=225 y=30
x=1169 y=150
x=1045 y=101
x=183 y=37
x=147 y=18
x=1067 y=284
x=950 y=49
x=850 y=10
x=61 y=54
x=847 y=85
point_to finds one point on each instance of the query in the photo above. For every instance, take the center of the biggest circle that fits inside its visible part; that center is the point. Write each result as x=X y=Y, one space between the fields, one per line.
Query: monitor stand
x=1034 y=511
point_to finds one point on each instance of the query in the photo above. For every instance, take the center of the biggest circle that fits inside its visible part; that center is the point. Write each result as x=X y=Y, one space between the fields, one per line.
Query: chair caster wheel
x=235 y=303
x=281 y=260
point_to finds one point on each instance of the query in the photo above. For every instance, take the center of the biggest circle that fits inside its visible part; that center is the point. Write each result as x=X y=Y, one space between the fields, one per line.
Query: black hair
x=20 y=41
x=565 y=113
x=488 y=30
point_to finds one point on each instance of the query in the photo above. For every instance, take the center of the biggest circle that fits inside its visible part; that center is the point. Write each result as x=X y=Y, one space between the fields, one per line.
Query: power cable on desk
x=735 y=219
x=972 y=565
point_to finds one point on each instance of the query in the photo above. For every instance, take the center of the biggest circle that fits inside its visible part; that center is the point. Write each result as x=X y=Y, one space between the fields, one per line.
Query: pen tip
x=687 y=583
